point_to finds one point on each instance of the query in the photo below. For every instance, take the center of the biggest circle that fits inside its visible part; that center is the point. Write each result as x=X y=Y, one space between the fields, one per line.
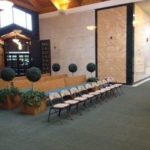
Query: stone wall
x=141 y=44
x=71 y=42
x=112 y=29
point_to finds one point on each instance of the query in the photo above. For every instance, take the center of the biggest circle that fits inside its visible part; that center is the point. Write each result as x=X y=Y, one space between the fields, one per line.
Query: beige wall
x=112 y=43
x=142 y=46
x=71 y=42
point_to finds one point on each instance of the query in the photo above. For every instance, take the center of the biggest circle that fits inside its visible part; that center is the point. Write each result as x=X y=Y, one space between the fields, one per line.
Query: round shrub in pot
x=7 y=74
x=91 y=67
x=73 y=68
x=10 y=96
x=55 y=67
x=33 y=74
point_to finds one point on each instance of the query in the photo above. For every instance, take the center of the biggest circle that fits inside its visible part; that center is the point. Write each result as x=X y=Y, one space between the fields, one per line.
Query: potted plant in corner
x=10 y=96
x=72 y=68
x=91 y=67
x=34 y=101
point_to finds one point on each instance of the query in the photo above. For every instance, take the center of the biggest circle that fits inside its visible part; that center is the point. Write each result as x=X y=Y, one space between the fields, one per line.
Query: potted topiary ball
x=33 y=74
x=55 y=67
x=10 y=96
x=8 y=74
x=72 y=68
x=33 y=100
x=91 y=67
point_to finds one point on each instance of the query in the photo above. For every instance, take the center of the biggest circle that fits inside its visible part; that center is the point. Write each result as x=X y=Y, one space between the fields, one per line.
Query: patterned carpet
x=119 y=123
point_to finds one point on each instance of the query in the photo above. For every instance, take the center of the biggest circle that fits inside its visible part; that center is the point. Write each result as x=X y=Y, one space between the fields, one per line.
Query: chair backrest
x=99 y=83
x=64 y=93
x=53 y=96
x=81 y=88
x=74 y=90
x=104 y=81
x=94 y=84
x=88 y=86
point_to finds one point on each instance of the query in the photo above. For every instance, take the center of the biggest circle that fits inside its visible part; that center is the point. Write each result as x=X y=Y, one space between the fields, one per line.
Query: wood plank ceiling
x=44 y=6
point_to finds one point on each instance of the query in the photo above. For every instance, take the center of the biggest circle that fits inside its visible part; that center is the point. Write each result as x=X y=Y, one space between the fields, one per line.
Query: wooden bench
x=75 y=80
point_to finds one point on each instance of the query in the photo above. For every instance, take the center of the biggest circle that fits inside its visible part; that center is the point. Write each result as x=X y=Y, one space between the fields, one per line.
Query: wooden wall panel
x=112 y=24
x=1 y=58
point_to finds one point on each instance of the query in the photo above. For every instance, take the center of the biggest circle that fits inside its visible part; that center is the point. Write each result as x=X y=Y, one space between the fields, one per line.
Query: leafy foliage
x=72 y=68
x=92 y=79
x=7 y=74
x=91 y=67
x=56 y=67
x=8 y=92
x=33 y=74
x=33 y=98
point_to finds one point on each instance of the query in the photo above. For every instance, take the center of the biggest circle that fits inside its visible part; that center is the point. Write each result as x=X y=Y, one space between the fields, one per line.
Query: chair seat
x=87 y=96
x=107 y=88
x=80 y=98
x=112 y=86
x=63 y=105
x=98 y=91
x=71 y=102
x=103 y=90
x=94 y=93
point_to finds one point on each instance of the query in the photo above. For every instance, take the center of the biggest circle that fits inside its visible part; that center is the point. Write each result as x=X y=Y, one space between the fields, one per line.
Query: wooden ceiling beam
x=35 y=4
x=79 y=2
x=24 y=5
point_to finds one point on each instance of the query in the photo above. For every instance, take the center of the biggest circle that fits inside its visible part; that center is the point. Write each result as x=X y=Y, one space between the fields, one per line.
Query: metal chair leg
x=49 y=114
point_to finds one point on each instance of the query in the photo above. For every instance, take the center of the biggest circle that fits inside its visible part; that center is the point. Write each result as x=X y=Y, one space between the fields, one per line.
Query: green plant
x=8 y=92
x=33 y=74
x=72 y=68
x=33 y=98
x=56 y=67
x=91 y=67
x=92 y=79
x=7 y=74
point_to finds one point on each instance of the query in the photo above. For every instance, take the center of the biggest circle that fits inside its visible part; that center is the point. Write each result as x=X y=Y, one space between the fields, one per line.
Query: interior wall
x=112 y=33
x=1 y=57
x=141 y=44
x=71 y=42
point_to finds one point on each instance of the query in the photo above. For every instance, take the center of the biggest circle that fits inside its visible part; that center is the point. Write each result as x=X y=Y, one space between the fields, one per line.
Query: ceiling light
x=15 y=40
x=5 y=4
x=91 y=27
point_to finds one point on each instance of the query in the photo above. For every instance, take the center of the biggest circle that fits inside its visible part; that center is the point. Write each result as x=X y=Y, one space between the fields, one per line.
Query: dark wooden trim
x=110 y=7
x=96 y=45
x=130 y=45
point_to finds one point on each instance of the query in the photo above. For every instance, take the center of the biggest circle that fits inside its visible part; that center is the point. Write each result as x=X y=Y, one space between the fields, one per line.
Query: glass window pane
x=6 y=17
x=29 y=21
x=19 y=17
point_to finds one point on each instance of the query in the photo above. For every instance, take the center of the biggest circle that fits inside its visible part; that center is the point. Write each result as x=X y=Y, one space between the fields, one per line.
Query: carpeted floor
x=121 y=123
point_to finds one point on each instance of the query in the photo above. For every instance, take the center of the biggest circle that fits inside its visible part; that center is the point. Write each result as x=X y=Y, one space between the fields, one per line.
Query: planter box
x=32 y=110
x=11 y=102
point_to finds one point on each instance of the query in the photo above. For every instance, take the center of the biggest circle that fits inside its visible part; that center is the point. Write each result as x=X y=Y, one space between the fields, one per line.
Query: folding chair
x=68 y=99
x=56 y=104
x=77 y=96
x=84 y=93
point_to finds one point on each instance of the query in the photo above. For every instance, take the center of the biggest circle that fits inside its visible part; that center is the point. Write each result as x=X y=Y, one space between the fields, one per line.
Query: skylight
x=15 y=16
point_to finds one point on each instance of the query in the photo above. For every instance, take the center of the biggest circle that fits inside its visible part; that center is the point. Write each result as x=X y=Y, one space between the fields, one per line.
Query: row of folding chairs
x=65 y=99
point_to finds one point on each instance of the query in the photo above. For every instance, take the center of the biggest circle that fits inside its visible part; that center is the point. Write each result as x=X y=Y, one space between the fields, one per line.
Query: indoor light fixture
x=5 y=4
x=61 y=5
x=91 y=27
